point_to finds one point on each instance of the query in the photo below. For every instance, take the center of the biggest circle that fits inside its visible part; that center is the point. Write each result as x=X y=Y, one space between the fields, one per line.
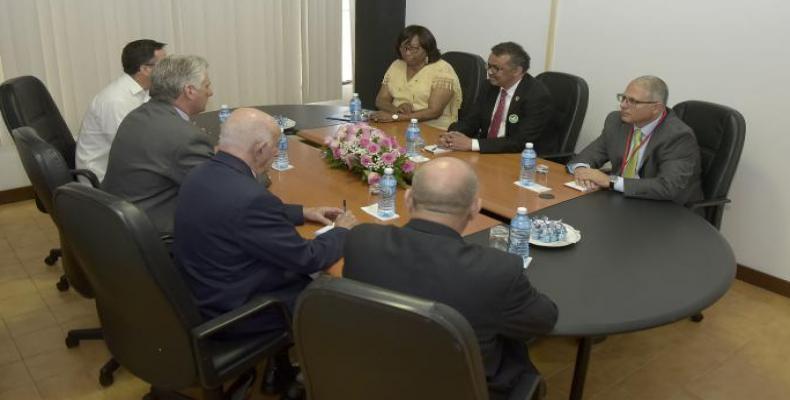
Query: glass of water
x=498 y=237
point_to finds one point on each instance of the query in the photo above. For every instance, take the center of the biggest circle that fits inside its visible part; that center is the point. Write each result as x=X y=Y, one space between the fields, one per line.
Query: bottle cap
x=414 y=120
x=529 y=145
x=356 y=94
x=388 y=171
x=223 y=106
x=522 y=210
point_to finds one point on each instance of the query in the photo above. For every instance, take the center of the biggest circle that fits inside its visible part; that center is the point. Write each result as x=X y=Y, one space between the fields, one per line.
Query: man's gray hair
x=454 y=198
x=656 y=86
x=175 y=72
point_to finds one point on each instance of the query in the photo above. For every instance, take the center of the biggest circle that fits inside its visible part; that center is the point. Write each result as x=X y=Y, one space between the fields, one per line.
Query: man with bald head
x=428 y=258
x=653 y=154
x=235 y=240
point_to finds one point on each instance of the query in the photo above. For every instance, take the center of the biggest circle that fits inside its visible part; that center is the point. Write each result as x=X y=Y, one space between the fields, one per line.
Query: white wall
x=725 y=51
x=475 y=26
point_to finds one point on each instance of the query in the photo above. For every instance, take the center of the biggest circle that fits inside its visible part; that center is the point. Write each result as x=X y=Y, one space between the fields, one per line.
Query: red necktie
x=498 y=114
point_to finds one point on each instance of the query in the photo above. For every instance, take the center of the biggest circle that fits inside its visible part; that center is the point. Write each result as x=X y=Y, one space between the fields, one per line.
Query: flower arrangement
x=365 y=150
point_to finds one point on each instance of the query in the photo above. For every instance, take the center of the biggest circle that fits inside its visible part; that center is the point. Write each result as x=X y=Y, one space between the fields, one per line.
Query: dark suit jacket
x=150 y=156
x=487 y=286
x=671 y=166
x=235 y=240
x=531 y=103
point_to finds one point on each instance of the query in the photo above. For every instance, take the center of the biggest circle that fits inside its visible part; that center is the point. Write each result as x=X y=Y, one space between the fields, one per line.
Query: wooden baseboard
x=18 y=194
x=763 y=280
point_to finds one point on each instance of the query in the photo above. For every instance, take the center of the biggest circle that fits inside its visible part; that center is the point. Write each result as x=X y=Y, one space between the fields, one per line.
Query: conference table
x=639 y=264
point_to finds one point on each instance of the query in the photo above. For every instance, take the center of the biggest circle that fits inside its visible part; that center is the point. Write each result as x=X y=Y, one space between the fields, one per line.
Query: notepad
x=373 y=210
x=435 y=149
x=533 y=187
x=574 y=185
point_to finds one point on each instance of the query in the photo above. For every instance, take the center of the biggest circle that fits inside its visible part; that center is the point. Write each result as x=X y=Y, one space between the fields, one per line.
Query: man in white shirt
x=117 y=99
x=513 y=110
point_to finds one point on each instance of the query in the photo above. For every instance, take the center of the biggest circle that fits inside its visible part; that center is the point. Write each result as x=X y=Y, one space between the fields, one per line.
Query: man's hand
x=321 y=215
x=455 y=141
x=405 y=108
x=346 y=220
x=591 y=178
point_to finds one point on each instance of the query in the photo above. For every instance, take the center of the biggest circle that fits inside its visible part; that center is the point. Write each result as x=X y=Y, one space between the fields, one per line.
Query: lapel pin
x=512 y=118
x=517 y=98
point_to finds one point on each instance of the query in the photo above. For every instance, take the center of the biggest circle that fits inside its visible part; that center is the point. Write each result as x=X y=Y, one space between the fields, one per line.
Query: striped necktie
x=630 y=167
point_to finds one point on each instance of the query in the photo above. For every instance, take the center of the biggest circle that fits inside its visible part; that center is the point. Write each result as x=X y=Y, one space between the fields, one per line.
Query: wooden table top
x=496 y=172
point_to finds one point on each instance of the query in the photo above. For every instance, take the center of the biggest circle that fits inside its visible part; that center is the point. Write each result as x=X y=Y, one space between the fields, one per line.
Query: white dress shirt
x=102 y=119
x=502 y=124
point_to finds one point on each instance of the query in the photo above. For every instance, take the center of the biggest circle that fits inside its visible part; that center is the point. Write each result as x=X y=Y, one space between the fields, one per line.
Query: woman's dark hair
x=424 y=36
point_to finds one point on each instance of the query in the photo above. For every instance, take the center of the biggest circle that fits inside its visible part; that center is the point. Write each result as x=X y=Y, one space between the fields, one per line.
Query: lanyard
x=626 y=155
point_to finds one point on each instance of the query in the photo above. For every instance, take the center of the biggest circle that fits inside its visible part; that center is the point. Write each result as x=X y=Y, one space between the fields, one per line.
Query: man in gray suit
x=157 y=145
x=654 y=155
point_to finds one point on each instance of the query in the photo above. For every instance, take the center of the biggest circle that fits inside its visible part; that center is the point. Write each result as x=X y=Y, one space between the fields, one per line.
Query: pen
x=344 y=206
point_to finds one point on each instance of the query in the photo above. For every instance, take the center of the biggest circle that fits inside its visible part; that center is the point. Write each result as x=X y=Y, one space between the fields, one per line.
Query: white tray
x=571 y=236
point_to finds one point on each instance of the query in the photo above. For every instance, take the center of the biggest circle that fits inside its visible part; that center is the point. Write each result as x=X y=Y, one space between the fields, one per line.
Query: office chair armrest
x=88 y=174
x=218 y=324
x=561 y=158
x=708 y=203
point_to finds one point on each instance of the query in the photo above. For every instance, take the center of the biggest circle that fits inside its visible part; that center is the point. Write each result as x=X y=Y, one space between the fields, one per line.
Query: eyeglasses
x=494 y=68
x=410 y=49
x=621 y=98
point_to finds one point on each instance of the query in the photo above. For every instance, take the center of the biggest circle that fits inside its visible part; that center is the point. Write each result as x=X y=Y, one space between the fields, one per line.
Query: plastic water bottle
x=224 y=113
x=355 y=108
x=387 y=191
x=282 y=152
x=413 y=139
x=528 y=162
x=519 y=234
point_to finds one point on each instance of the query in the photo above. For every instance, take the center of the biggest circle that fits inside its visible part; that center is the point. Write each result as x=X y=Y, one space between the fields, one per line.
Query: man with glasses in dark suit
x=515 y=109
x=653 y=154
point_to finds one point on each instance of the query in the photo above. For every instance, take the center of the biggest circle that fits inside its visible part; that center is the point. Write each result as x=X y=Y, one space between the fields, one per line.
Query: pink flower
x=401 y=150
x=364 y=141
x=408 y=166
x=366 y=160
x=336 y=153
x=389 y=158
x=373 y=178
x=374 y=148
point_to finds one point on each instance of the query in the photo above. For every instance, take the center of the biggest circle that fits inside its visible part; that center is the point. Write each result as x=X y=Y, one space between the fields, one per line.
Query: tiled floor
x=740 y=351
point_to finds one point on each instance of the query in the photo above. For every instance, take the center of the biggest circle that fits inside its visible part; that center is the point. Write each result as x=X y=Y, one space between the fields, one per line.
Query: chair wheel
x=63 y=284
x=72 y=342
x=50 y=260
x=106 y=379
x=697 y=317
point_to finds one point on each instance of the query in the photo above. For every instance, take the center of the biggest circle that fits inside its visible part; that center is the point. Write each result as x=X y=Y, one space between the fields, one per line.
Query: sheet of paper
x=574 y=185
x=435 y=149
x=373 y=210
x=533 y=187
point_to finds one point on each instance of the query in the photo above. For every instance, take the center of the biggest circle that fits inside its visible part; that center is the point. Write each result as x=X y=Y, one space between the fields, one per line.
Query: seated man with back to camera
x=513 y=110
x=114 y=102
x=419 y=84
x=428 y=258
x=157 y=145
x=653 y=153
x=235 y=240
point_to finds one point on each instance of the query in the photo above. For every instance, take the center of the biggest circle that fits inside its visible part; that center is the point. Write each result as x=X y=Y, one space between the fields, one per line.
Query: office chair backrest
x=47 y=171
x=471 y=71
x=25 y=101
x=569 y=94
x=145 y=309
x=721 y=132
x=356 y=341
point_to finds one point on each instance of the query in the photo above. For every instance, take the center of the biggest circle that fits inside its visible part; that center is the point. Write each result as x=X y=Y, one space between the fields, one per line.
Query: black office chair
x=151 y=324
x=359 y=342
x=25 y=101
x=471 y=71
x=721 y=132
x=569 y=95
x=47 y=171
